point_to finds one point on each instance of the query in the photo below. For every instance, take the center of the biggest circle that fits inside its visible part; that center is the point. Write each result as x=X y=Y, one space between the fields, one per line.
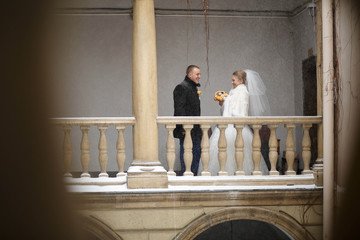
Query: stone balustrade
x=102 y=124
x=256 y=178
x=239 y=123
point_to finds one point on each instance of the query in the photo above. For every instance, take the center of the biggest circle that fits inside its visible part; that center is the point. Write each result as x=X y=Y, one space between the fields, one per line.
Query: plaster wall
x=304 y=26
x=92 y=72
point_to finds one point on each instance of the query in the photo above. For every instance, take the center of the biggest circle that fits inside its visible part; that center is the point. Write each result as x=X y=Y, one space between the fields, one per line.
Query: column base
x=103 y=175
x=257 y=173
x=290 y=172
x=274 y=173
x=239 y=173
x=171 y=173
x=147 y=177
x=223 y=173
x=205 y=173
x=307 y=172
x=85 y=175
x=188 y=173
x=120 y=174
x=318 y=169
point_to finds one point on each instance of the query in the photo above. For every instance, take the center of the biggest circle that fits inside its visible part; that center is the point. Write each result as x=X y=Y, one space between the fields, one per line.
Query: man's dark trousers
x=196 y=151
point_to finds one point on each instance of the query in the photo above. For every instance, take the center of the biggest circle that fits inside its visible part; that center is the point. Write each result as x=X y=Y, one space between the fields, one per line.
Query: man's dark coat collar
x=187 y=79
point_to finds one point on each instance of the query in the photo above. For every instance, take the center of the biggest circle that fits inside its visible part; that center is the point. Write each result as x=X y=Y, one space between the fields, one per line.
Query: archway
x=279 y=219
x=95 y=229
x=243 y=229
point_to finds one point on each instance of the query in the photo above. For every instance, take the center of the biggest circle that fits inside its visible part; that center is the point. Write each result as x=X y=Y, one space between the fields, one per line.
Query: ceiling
x=215 y=7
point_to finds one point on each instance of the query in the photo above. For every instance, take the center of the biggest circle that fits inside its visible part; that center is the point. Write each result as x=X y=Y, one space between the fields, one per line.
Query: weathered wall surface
x=185 y=214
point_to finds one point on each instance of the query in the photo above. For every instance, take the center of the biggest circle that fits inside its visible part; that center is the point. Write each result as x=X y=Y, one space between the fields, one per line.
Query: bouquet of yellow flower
x=220 y=95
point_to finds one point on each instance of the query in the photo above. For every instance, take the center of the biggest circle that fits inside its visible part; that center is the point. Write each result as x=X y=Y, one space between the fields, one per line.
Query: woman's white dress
x=235 y=105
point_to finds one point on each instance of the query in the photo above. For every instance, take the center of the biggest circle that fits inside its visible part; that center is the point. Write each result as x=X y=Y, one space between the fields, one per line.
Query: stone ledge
x=209 y=198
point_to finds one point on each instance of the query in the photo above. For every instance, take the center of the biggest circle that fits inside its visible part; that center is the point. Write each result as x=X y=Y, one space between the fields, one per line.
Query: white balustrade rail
x=102 y=124
x=239 y=123
x=205 y=123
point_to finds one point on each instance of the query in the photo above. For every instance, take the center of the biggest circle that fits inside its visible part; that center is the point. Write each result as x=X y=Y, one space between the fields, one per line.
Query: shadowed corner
x=34 y=202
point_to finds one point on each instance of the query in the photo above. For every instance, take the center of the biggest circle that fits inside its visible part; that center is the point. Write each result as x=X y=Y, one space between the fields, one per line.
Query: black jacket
x=187 y=103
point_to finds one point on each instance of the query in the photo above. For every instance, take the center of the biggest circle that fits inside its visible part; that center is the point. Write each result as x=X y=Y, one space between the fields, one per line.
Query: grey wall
x=304 y=39
x=92 y=70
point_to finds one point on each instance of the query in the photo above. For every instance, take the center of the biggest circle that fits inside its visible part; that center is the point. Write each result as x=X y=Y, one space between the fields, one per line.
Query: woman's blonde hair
x=241 y=75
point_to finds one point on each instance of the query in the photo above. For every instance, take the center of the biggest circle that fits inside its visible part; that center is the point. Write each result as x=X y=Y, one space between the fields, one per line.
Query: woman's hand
x=221 y=103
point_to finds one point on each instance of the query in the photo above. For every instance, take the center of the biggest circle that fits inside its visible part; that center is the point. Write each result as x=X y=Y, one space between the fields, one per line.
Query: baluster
x=170 y=149
x=239 y=149
x=103 y=155
x=120 y=149
x=85 y=151
x=290 y=154
x=318 y=167
x=188 y=150
x=222 y=155
x=67 y=150
x=205 y=155
x=306 y=144
x=256 y=147
x=273 y=144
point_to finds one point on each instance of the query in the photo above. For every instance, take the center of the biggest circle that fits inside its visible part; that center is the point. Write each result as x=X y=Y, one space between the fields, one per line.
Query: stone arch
x=277 y=218
x=99 y=229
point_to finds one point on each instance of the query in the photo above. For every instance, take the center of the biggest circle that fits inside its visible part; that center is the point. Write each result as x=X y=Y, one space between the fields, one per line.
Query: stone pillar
x=146 y=170
x=318 y=167
x=328 y=118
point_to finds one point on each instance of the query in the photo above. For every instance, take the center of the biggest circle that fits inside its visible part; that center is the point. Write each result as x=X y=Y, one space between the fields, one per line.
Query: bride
x=247 y=97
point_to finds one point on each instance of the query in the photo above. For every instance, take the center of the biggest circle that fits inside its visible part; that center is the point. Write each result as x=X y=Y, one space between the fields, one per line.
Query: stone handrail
x=239 y=123
x=205 y=123
x=102 y=123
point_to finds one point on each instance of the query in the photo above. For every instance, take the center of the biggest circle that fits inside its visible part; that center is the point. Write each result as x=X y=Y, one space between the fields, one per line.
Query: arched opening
x=244 y=229
x=94 y=229
x=250 y=219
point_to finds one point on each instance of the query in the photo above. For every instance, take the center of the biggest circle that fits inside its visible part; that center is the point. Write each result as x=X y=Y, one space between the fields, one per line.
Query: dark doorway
x=244 y=230
x=310 y=100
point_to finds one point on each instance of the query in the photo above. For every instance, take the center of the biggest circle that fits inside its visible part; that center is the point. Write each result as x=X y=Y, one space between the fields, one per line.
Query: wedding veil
x=259 y=103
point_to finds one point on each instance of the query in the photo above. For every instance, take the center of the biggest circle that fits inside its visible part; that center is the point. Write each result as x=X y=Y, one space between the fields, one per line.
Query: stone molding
x=277 y=218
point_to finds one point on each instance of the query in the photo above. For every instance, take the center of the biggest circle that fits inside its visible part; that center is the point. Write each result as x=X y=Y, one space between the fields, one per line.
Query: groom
x=187 y=103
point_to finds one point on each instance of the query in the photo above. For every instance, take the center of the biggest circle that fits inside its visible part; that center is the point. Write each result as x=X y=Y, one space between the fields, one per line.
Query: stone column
x=318 y=167
x=328 y=118
x=146 y=170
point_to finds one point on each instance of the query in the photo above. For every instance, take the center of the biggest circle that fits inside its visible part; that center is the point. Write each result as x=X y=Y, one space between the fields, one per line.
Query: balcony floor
x=196 y=184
